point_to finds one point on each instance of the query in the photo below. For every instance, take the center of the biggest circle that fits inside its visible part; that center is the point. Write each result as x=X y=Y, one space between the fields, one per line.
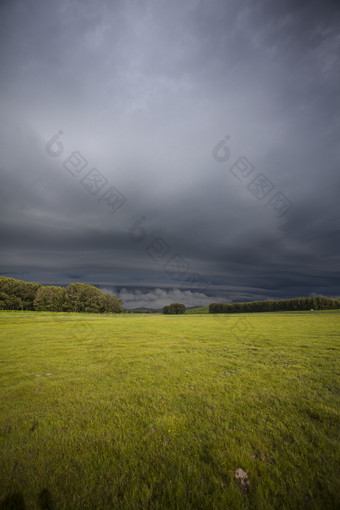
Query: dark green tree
x=176 y=308
x=49 y=298
x=113 y=304
x=20 y=294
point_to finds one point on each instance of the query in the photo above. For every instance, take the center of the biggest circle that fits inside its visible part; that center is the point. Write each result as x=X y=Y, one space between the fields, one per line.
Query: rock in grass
x=242 y=478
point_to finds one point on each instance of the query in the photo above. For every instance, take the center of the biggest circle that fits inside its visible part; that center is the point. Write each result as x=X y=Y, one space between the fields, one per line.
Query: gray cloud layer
x=145 y=90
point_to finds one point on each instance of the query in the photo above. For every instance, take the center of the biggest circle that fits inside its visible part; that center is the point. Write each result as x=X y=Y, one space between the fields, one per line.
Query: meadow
x=157 y=412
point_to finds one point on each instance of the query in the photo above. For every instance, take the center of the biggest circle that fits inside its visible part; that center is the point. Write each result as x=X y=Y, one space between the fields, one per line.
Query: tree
x=92 y=300
x=49 y=298
x=175 y=309
x=20 y=295
x=73 y=297
x=87 y=298
x=4 y=301
x=113 y=304
x=14 y=303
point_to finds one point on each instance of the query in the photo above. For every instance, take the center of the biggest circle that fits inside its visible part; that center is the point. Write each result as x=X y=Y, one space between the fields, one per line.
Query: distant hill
x=199 y=309
x=143 y=309
x=192 y=310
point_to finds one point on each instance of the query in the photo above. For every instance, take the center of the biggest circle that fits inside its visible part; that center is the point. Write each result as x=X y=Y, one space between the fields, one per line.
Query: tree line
x=277 y=305
x=76 y=297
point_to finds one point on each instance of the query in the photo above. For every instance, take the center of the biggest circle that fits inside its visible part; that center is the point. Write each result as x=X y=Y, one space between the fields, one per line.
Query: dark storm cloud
x=144 y=91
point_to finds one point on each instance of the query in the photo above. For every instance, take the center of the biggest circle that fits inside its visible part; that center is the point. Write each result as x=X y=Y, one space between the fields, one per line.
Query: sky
x=164 y=151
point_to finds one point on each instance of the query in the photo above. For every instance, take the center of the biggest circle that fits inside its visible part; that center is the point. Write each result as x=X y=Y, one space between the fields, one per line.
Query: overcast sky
x=135 y=193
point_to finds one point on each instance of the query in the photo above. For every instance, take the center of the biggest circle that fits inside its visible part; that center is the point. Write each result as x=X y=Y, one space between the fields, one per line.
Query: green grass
x=157 y=412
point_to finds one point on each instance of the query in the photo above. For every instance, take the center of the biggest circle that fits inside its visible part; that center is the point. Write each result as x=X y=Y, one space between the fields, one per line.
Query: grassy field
x=157 y=412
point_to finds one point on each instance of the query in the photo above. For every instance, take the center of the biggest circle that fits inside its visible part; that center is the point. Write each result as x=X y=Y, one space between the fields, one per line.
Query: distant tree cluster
x=279 y=305
x=174 y=308
x=86 y=298
x=77 y=297
x=17 y=295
